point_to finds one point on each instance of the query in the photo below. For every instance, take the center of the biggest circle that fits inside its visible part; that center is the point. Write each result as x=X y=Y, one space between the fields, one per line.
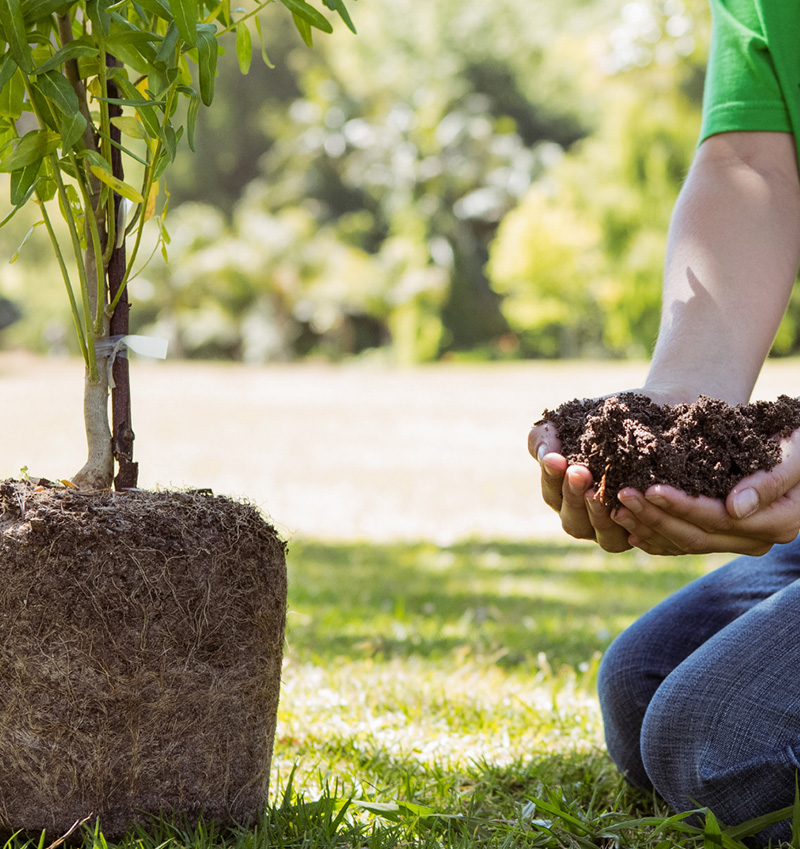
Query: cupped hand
x=570 y=491
x=762 y=510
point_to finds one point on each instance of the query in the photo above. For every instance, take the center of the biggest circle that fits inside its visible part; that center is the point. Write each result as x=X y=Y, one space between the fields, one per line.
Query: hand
x=569 y=490
x=762 y=510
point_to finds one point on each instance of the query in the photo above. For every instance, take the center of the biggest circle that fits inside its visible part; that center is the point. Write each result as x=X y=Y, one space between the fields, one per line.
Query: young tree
x=89 y=89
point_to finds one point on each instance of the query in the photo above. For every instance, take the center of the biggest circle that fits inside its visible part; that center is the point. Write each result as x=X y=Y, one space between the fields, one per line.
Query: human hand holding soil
x=569 y=488
x=665 y=520
x=707 y=448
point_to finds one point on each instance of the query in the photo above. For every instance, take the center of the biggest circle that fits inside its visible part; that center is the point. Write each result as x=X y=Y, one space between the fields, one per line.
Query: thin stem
x=97 y=245
x=148 y=180
x=249 y=15
x=78 y=251
x=76 y=315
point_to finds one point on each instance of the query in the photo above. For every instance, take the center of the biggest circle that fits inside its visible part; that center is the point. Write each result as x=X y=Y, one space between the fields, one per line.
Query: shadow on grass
x=510 y=601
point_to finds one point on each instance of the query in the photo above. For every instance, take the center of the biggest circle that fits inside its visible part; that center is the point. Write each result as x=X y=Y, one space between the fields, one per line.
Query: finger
x=774 y=523
x=543 y=439
x=554 y=468
x=610 y=536
x=761 y=489
x=658 y=532
x=574 y=513
x=707 y=513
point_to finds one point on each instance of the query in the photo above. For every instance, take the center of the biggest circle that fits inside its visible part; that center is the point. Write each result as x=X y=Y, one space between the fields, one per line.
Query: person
x=701 y=696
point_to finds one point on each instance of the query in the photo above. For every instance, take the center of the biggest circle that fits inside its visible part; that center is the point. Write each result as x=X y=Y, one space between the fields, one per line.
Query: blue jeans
x=701 y=696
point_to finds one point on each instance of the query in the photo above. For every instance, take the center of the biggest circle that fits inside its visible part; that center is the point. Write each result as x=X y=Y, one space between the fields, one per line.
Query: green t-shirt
x=753 y=77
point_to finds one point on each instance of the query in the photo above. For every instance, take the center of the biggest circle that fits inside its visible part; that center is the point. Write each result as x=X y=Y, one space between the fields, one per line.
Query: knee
x=672 y=749
x=624 y=689
x=626 y=680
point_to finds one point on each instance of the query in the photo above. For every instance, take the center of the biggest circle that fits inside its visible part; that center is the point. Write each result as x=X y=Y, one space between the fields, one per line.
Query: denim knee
x=697 y=753
x=624 y=695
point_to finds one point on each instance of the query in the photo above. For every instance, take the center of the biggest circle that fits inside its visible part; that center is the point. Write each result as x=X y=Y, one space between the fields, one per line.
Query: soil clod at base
x=141 y=638
x=704 y=448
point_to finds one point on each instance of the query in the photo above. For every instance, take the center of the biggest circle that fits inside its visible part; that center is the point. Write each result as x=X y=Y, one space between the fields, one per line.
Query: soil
x=704 y=448
x=141 y=638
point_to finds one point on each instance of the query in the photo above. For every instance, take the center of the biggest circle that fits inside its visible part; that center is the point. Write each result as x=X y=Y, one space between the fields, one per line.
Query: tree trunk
x=98 y=471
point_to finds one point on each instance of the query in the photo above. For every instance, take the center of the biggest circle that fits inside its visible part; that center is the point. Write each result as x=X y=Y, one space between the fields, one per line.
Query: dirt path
x=341 y=453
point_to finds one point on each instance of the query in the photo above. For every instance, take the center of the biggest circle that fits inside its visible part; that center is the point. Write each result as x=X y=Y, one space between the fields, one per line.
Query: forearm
x=732 y=258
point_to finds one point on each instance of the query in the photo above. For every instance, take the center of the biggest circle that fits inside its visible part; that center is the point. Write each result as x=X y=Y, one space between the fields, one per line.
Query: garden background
x=389 y=255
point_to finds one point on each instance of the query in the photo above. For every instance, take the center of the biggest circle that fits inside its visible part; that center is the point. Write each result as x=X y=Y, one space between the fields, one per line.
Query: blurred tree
x=408 y=144
x=579 y=262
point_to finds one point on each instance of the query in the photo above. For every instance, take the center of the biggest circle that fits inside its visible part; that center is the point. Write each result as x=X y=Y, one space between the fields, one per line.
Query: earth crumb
x=703 y=448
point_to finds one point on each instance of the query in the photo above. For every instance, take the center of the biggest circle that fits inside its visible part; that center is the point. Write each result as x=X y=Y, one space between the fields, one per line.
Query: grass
x=445 y=698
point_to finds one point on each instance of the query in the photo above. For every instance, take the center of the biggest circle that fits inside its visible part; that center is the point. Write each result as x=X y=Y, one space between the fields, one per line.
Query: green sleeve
x=746 y=82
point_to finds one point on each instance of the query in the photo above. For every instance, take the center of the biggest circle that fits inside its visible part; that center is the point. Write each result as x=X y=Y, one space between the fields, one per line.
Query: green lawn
x=445 y=698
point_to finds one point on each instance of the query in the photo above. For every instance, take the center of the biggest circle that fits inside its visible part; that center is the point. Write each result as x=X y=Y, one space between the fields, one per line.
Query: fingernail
x=540 y=453
x=633 y=502
x=576 y=487
x=745 y=503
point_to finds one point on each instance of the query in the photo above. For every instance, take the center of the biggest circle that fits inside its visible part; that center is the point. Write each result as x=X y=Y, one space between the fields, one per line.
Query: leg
x=723 y=730
x=642 y=657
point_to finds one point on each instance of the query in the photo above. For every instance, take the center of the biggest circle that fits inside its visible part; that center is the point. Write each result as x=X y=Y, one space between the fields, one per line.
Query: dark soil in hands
x=704 y=448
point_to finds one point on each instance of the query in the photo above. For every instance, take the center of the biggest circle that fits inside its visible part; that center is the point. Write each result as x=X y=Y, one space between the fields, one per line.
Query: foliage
x=460 y=180
x=579 y=261
x=418 y=142
x=405 y=150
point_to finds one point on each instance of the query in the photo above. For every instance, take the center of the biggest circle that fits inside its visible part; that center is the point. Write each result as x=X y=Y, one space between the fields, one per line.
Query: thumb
x=763 y=488
x=543 y=439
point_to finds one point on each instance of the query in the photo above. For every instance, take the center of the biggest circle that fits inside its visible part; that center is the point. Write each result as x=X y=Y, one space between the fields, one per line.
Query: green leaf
x=145 y=109
x=33 y=147
x=301 y=9
x=712 y=833
x=207 y=61
x=338 y=6
x=304 y=28
x=244 y=46
x=8 y=68
x=38 y=10
x=23 y=183
x=264 y=56
x=72 y=129
x=24 y=242
x=46 y=188
x=167 y=50
x=184 y=12
x=99 y=16
x=13 y=24
x=58 y=91
x=97 y=161
x=12 y=94
x=129 y=126
x=170 y=142
x=156 y=7
x=119 y=186
x=191 y=113
x=73 y=50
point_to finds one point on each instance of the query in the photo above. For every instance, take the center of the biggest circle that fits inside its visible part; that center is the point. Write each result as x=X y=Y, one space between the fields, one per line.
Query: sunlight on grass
x=445 y=697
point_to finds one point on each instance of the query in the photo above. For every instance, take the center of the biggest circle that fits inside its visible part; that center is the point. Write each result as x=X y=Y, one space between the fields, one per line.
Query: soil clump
x=704 y=448
x=141 y=638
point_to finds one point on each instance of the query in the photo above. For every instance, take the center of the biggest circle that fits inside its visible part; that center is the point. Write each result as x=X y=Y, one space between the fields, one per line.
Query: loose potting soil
x=704 y=448
x=141 y=637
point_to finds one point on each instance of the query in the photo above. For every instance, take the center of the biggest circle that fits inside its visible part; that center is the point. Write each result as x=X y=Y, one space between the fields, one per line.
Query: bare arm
x=732 y=257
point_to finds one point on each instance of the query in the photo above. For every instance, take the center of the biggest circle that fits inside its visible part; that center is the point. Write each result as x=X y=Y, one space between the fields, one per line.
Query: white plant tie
x=112 y=347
